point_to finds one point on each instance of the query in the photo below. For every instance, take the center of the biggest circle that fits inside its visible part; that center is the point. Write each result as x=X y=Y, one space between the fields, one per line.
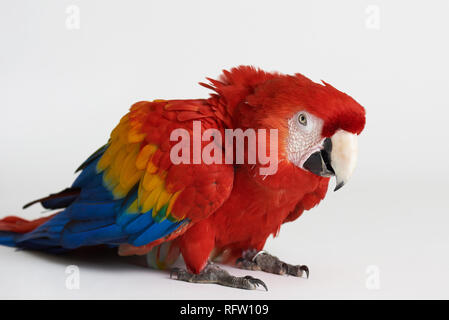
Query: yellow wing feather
x=127 y=162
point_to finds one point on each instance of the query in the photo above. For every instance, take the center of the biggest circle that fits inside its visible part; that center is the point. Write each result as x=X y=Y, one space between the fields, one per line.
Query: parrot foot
x=263 y=261
x=214 y=274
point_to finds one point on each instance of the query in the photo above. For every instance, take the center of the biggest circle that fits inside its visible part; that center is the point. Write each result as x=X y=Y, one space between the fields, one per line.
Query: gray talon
x=257 y=282
x=306 y=270
x=174 y=271
x=214 y=274
x=253 y=260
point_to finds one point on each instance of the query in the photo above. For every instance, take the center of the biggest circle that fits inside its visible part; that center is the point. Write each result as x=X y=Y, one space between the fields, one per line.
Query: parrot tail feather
x=19 y=225
x=58 y=200
x=8 y=238
x=13 y=229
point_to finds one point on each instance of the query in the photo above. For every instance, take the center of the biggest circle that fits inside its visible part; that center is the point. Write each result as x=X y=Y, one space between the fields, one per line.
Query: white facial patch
x=303 y=139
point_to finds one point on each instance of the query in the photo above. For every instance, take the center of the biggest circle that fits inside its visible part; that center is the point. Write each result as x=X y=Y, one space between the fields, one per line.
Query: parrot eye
x=302 y=119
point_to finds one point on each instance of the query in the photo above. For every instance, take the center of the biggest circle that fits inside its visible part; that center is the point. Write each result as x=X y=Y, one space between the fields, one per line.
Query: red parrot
x=130 y=193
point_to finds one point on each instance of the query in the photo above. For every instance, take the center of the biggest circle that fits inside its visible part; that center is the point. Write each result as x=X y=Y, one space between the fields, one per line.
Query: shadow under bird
x=130 y=195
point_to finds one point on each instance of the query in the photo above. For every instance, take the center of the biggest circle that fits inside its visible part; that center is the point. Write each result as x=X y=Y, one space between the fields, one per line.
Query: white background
x=63 y=90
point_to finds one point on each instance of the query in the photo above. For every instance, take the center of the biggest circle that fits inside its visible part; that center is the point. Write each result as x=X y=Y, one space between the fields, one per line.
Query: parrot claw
x=306 y=270
x=256 y=282
x=298 y=271
x=214 y=274
x=174 y=271
x=263 y=261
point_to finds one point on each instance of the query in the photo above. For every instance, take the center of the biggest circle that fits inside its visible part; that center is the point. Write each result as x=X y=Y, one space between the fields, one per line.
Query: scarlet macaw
x=130 y=194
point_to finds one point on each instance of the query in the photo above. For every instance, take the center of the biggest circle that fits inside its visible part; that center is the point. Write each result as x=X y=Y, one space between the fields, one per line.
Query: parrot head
x=317 y=124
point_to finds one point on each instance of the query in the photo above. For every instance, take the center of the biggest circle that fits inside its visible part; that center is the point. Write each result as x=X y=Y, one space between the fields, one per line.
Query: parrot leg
x=262 y=261
x=214 y=274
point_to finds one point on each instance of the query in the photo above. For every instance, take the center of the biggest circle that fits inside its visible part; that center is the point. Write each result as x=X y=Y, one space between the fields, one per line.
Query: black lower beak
x=319 y=162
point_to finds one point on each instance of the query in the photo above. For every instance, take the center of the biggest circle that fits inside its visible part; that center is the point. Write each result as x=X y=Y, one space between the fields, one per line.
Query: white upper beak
x=343 y=156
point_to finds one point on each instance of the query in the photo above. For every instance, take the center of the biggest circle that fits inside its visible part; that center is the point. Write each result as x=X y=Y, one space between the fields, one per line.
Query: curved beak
x=337 y=157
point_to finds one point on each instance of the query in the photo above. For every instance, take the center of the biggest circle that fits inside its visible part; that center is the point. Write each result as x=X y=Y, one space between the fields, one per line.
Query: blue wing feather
x=94 y=218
